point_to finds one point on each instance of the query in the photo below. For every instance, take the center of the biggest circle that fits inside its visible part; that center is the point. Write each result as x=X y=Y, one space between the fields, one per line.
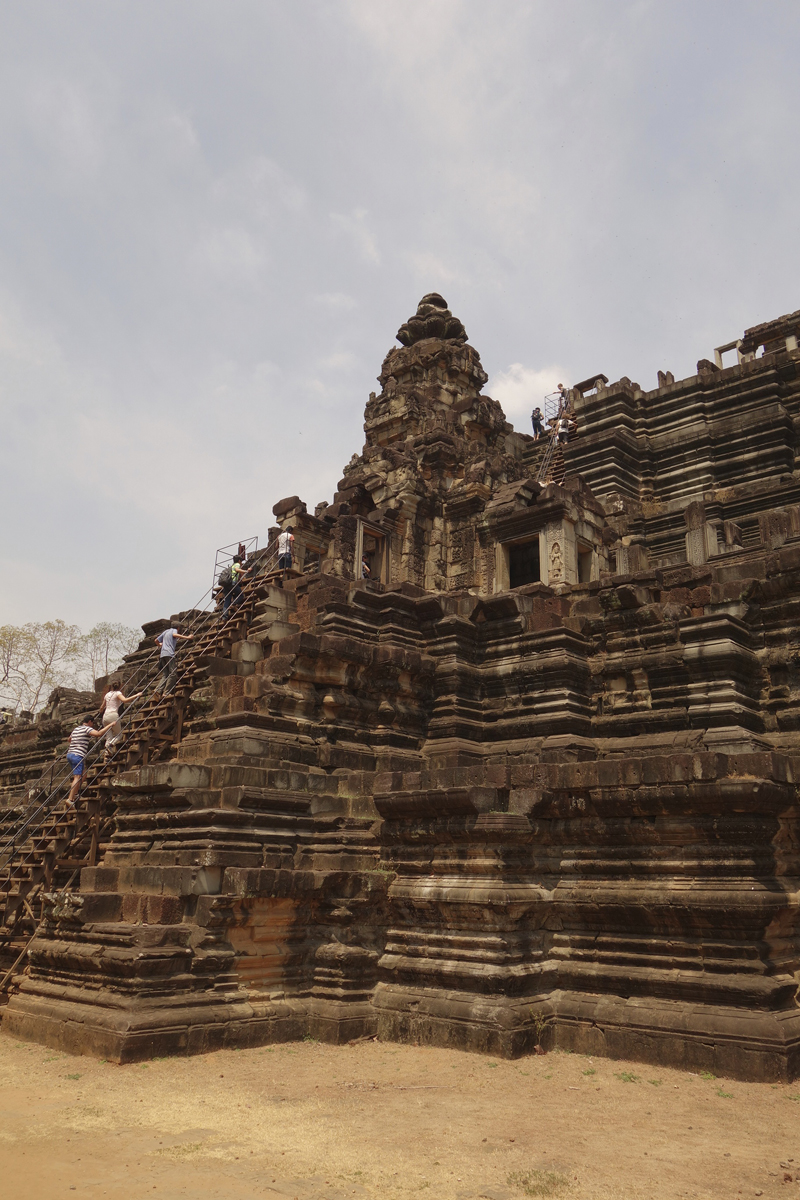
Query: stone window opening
x=523 y=563
x=592 y=385
x=370 y=549
x=502 y=800
x=729 y=347
x=585 y=553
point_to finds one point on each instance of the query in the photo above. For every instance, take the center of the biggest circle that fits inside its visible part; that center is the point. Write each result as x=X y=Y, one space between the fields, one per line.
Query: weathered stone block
x=451 y=802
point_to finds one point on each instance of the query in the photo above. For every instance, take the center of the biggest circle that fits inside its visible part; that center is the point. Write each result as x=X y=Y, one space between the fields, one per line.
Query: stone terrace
x=531 y=781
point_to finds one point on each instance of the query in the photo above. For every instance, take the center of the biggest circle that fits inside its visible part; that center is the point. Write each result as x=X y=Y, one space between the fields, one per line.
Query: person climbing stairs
x=545 y=457
x=50 y=841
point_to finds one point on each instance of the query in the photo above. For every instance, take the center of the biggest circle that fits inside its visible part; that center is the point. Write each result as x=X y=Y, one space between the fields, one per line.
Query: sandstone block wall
x=442 y=805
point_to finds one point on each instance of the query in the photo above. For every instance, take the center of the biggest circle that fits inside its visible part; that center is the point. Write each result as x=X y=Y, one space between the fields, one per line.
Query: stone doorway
x=523 y=563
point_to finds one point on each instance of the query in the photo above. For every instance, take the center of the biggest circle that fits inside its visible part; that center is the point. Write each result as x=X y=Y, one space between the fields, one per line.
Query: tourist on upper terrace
x=79 y=742
x=230 y=583
x=233 y=597
x=111 y=722
x=224 y=585
x=167 y=641
x=537 y=421
x=285 y=548
x=563 y=398
x=365 y=571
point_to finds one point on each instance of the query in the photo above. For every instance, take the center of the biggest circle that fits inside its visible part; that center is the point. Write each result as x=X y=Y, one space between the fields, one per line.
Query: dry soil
x=374 y=1119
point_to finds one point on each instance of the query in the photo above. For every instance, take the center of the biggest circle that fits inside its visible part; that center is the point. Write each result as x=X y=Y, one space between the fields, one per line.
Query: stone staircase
x=45 y=845
x=544 y=460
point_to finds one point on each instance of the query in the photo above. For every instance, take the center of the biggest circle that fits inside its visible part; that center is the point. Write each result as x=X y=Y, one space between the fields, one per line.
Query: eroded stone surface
x=532 y=782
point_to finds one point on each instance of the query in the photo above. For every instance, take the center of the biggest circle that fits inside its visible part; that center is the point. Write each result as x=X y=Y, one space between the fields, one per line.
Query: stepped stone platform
x=531 y=782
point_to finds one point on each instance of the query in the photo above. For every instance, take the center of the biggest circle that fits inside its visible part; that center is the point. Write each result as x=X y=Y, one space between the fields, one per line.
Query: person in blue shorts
x=79 y=742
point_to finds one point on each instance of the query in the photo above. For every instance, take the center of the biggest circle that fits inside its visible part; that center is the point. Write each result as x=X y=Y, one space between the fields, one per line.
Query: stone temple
x=530 y=783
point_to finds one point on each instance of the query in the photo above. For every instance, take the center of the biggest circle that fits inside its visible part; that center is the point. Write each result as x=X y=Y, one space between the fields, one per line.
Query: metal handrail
x=36 y=812
x=33 y=854
x=226 y=554
x=41 y=805
x=564 y=407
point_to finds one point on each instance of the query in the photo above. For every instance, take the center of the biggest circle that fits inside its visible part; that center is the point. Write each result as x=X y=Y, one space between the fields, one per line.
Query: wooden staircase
x=545 y=459
x=50 y=841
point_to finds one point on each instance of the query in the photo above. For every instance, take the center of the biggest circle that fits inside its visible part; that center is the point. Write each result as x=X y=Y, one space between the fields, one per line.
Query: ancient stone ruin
x=531 y=782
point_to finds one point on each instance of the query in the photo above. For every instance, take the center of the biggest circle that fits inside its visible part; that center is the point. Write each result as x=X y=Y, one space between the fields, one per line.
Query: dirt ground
x=374 y=1120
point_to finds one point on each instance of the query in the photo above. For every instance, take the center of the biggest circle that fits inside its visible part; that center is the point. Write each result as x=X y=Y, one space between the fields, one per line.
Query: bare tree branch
x=40 y=656
x=103 y=649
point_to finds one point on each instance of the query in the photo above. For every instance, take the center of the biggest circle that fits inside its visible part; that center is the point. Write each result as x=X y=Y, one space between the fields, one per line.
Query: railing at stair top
x=556 y=406
x=262 y=567
x=41 y=820
x=226 y=554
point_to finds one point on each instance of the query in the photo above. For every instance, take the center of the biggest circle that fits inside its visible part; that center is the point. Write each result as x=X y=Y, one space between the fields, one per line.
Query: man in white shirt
x=285 y=552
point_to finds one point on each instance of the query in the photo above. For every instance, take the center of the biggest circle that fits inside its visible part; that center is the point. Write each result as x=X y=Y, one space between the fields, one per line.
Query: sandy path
x=377 y=1120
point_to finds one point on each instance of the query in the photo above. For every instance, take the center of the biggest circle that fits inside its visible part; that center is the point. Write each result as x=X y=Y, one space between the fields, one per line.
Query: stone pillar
x=405 y=568
x=340 y=1007
x=502 y=581
x=732 y=534
x=778 y=525
x=701 y=536
x=558 y=554
x=631 y=556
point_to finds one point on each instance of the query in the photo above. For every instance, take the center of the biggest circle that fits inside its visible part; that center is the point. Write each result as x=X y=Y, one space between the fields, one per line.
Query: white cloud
x=354 y=225
x=336 y=300
x=437 y=56
x=432 y=271
x=192 y=319
x=520 y=389
x=256 y=187
x=68 y=121
x=341 y=360
x=233 y=252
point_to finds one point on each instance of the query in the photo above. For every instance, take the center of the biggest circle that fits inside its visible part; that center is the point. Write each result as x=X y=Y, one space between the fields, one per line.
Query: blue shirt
x=166 y=641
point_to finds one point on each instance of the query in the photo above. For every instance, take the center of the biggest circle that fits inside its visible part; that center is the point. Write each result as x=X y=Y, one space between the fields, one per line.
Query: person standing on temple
x=563 y=398
x=285 y=551
x=234 y=597
x=537 y=423
x=79 y=742
x=167 y=641
x=111 y=722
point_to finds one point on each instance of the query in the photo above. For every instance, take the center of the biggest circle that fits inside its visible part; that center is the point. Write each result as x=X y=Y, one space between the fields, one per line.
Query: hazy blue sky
x=215 y=216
